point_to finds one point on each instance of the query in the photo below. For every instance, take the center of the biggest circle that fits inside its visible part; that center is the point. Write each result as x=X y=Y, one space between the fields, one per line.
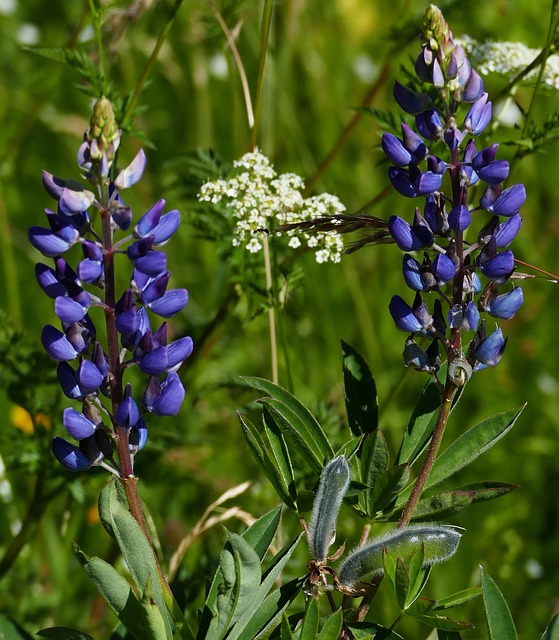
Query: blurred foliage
x=323 y=60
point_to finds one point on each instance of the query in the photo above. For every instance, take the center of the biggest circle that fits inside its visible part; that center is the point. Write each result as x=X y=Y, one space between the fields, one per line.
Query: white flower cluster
x=259 y=200
x=508 y=58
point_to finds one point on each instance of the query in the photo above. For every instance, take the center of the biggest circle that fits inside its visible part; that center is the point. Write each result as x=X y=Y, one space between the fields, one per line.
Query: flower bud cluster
x=97 y=372
x=259 y=200
x=453 y=266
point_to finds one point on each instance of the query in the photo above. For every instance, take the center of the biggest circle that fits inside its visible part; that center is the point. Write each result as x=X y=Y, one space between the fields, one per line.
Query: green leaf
x=471 y=445
x=280 y=455
x=301 y=427
x=310 y=621
x=10 y=630
x=448 y=635
x=285 y=629
x=266 y=608
x=552 y=629
x=261 y=533
x=401 y=583
x=418 y=576
x=388 y=487
x=421 y=607
x=458 y=598
x=116 y=592
x=264 y=459
x=442 y=622
x=365 y=630
x=374 y=462
x=331 y=630
x=499 y=619
x=132 y=542
x=421 y=424
x=240 y=572
x=57 y=633
x=437 y=507
x=360 y=392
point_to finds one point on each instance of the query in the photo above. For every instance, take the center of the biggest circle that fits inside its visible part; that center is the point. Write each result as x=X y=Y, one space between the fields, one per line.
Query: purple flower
x=443 y=268
x=69 y=456
x=490 y=351
x=409 y=238
x=429 y=125
x=504 y=203
x=155 y=357
x=77 y=425
x=412 y=273
x=160 y=227
x=152 y=263
x=133 y=172
x=164 y=398
x=506 y=231
x=412 y=183
x=411 y=101
x=90 y=269
x=56 y=241
x=57 y=345
x=479 y=115
x=127 y=414
x=164 y=303
x=496 y=266
x=459 y=218
x=505 y=305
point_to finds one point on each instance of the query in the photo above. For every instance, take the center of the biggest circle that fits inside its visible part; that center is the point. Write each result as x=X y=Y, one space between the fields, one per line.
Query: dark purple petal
x=443 y=268
x=133 y=172
x=453 y=138
x=415 y=357
x=423 y=70
x=77 y=425
x=69 y=456
x=395 y=150
x=429 y=125
x=69 y=382
x=177 y=351
x=410 y=101
x=75 y=201
x=122 y=216
x=89 y=376
x=428 y=182
x=412 y=273
x=167 y=226
x=49 y=283
x=152 y=264
x=413 y=143
x=403 y=316
x=400 y=179
x=490 y=351
x=507 y=231
x=409 y=238
x=500 y=267
x=471 y=318
x=506 y=305
x=496 y=172
x=68 y=310
x=57 y=345
x=459 y=218
x=49 y=243
x=90 y=270
x=155 y=362
x=149 y=220
x=155 y=288
x=127 y=414
x=54 y=186
x=474 y=88
x=479 y=115
x=138 y=436
x=508 y=203
x=169 y=303
x=165 y=399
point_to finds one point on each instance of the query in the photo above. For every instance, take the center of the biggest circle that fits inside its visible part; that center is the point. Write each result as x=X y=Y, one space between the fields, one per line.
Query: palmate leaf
x=499 y=619
x=360 y=392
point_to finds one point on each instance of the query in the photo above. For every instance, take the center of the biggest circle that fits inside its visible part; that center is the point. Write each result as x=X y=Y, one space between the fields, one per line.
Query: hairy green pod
x=334 y=481
x=365 y=563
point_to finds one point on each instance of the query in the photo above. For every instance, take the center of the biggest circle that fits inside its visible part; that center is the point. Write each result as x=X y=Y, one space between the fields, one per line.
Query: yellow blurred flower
x=22 y=420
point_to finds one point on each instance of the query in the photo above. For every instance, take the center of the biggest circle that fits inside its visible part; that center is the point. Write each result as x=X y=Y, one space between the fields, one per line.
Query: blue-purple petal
x=77 y=425
x=506 y=305
x=69 y=456
x=133 y=172
x=403 y=316
x=57 y=345
x=169 y=303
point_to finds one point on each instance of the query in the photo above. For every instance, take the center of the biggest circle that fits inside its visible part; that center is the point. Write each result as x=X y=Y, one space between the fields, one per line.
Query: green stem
x=147 y=70
x=100 y=48
x=271 y=311
x=266 y=25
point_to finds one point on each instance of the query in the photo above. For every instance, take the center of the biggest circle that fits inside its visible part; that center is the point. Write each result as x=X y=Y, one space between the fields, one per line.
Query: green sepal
x=360 y=392
x=499 y=619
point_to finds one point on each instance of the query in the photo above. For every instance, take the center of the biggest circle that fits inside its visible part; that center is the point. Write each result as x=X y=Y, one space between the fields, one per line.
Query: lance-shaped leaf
x=300 y=427
x=309 y=626
x=334 y=482
x=458 y=598
x=387 y=488
x=374 y=463
x=332 y=627
x=552 y=630
x=360 y=392
x=366 y=562
x=499 y=619
x=57 y=633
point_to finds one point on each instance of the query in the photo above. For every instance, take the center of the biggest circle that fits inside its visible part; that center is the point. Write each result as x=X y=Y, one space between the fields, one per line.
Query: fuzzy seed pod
x=334 y=481
x=365 y=563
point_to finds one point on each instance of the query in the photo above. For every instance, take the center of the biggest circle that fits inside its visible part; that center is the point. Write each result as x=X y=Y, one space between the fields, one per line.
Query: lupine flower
x=94 y=376
x=444 y=64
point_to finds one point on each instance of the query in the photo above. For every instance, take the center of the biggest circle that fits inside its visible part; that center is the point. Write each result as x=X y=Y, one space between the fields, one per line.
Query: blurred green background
x=323 y=59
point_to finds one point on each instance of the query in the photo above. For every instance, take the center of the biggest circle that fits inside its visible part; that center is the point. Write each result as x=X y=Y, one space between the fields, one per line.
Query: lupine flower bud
x=459 y=218
x=473 y=89
x=103 y=130
x=506 y=231
x=334 y=482
x=412 y=273
x=164 y=398
x=505 y=203
x=403 y=315
x=127 y=414
x=443 y=268
x=365 y=563
x=411 y=101
x=505 y=305
x=409 y=238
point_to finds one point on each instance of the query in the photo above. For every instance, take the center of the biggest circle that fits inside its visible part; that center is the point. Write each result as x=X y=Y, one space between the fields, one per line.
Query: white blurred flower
x=28 y=34
x=509 y=59
x=259 y=200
